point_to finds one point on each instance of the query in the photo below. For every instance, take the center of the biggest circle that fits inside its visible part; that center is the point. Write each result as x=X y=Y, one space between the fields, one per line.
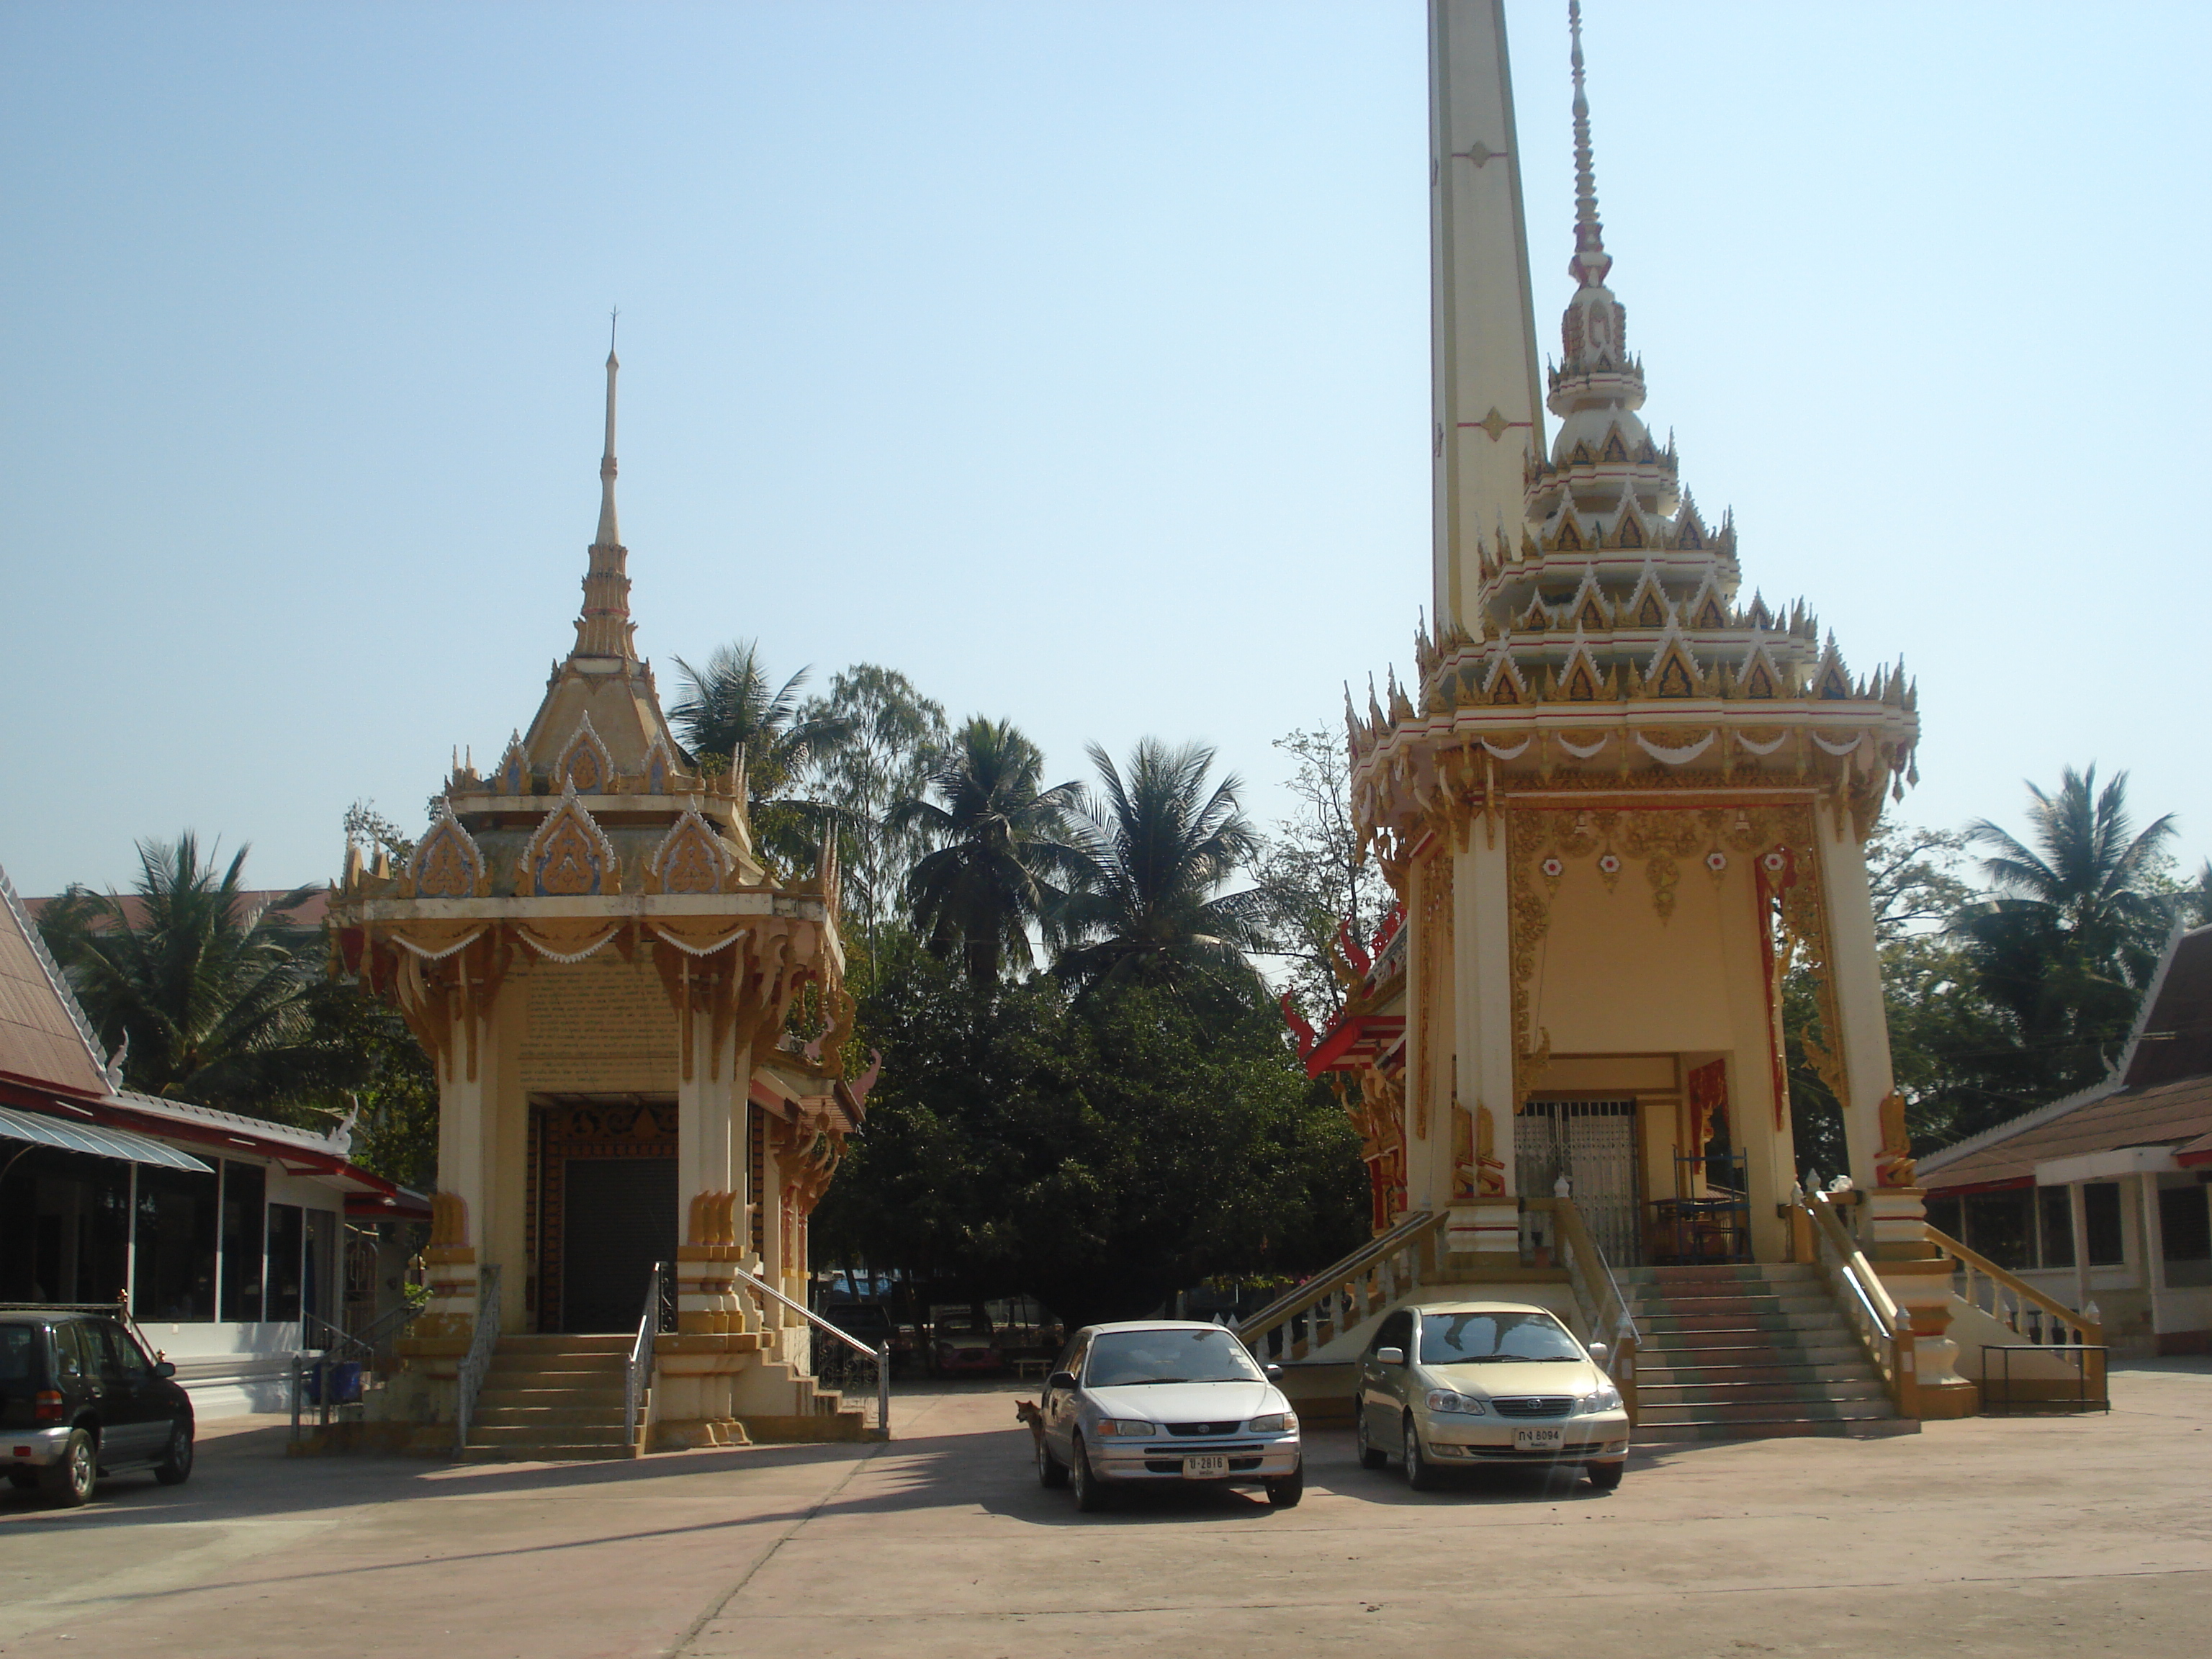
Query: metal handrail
x=2087 y=1334
x=881 y=1355
x=1884 y=1330
x=1309 y=1292
x=469 y=1377
x=1609 y=1306
x=343 y=1336
x=637 y=1375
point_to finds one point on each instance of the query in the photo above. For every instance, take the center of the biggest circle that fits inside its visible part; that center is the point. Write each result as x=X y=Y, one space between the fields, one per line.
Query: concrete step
x=493 y=1395
x=564 y=1342
x=1658 y=1399
x=540 y=1434
x=1789 y=1299
x=1819 y=1351
x=1850 y=1371
x=1756 y=1411
x=543 y=1454
x=526 y=1416
x=1704 y=1433
x=1667 y=1320
x=1733 y=1273
x=516 y=1375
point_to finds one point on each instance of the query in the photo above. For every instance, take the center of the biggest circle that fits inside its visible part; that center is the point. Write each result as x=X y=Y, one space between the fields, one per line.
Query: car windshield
x=1124 y=1359
x=1466 y=1338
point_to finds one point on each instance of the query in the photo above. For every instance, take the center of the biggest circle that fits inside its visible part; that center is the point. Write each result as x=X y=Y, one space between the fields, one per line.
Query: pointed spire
x=1591 y=262
x=603 y=628
x=610 y=533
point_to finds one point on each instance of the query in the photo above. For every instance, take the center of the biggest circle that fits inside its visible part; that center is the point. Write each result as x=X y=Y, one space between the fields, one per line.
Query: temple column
x=1487 y=1045
x=1855 y=978
x=709 y=1158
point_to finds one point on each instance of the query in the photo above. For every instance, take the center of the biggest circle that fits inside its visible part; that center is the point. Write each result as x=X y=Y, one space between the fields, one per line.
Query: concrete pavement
x=2025 y=1537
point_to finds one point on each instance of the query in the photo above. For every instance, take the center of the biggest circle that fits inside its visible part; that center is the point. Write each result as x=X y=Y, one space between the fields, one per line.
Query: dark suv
x=79 y=1399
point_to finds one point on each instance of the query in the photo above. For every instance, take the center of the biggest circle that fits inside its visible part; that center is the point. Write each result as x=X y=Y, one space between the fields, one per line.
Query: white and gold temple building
x=607 y=978
x=1621 y=800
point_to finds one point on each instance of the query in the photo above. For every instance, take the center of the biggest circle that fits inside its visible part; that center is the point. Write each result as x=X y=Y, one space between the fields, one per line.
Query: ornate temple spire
x=605 y=628
x=1591 y=262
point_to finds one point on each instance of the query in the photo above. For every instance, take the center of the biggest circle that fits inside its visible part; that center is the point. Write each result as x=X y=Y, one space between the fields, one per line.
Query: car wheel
x=1284 y=1494
x=1604 y=1476
x=67 y=1482
x=1090 y=1490
x=176 y=1468
x=1371 y=1457
x=1420 y=1473
x=1052 y=1473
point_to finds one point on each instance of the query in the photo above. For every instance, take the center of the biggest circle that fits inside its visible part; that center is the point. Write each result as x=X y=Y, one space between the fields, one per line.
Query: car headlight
x=1444 y=1400
x=1606 y=1399
x=1125 y=1428
x=1278 y=1423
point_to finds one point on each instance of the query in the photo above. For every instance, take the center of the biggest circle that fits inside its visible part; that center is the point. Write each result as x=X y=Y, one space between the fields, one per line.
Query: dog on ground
x=1026 y=1413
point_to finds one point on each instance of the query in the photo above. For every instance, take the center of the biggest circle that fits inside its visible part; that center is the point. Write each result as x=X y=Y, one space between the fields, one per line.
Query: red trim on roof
x=1354 y=1037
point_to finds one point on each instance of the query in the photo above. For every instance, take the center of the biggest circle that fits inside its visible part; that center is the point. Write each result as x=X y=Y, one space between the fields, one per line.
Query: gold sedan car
x=1455 y=1384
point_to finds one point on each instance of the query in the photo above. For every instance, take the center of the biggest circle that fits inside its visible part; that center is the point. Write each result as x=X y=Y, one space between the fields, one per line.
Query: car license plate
x=1536 y=1439
x=1204 y=1469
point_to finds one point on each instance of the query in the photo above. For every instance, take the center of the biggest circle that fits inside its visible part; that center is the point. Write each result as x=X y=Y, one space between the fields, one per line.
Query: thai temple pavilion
x=606 y=976
x=1621 y=800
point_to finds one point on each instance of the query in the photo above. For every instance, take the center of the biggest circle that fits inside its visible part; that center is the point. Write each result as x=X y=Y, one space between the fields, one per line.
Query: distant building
x=2102 y=1197
x=227 y=1234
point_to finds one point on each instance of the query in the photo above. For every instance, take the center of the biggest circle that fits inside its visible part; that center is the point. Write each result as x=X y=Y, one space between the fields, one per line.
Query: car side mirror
x=1274 y=1373
x=1389 y=1356
x=1061 y=1380
x=1598 y=1352
x=163 y=1368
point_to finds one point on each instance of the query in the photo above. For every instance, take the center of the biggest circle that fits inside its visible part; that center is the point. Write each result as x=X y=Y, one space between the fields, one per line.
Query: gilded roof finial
x=610 y=533
x=1591 y=262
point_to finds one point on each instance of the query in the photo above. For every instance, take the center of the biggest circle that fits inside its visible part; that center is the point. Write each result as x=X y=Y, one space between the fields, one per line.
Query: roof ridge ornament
x=1591 y=262
x=603 y=627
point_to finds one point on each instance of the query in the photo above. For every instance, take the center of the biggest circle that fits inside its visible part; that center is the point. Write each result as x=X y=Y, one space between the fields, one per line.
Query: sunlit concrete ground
x=2085 y=1536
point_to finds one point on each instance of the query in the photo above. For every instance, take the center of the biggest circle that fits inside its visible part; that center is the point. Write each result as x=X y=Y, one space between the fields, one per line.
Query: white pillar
x=1855 y=976
x=2153 y=1256
x=2077 y=1216
x=1483 y=1033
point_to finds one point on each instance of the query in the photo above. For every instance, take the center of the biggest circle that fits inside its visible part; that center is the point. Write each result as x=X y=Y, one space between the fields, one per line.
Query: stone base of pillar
x=451 y=1309
x=698 y=1434
x=1919 y=1279
x=1489 y=1232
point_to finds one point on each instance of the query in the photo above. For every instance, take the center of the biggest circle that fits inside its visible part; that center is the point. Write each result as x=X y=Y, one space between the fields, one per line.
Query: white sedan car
x=1166 y=1400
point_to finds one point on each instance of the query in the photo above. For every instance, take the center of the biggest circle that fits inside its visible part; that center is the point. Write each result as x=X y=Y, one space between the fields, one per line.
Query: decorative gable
x=1504 y=683
x=1673 y=673
x=1760 y=677
x=569 y=857
x=690 y=858
x=511 y=775
x=1589 y=610
x=447 y=863
x=1647 y=605
x=1581 y=680
x=659 y=766
x=585 y=765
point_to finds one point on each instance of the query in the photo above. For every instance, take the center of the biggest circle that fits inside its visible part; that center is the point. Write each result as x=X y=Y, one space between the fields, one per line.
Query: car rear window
x=1461 y=1339
x=1124 y=1359
x=19 y=1358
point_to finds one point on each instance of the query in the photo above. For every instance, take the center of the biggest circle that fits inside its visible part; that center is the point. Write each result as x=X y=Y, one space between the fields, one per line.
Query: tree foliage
x=1313 y=875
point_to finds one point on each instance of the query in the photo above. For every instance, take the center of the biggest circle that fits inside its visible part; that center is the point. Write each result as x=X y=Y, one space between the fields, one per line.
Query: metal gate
x=1593 y=1144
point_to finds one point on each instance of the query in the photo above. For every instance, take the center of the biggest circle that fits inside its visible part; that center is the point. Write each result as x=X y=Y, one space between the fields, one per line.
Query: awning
x=101 y=1143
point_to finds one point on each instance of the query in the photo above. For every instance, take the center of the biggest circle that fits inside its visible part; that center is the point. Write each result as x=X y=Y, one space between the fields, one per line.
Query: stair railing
x=2025 y=1311
x=637 y=1374
x=1316 y=1312
x=1883 y=1329
x=483 y=1338
x=880 y=1356
x=1599 y=1292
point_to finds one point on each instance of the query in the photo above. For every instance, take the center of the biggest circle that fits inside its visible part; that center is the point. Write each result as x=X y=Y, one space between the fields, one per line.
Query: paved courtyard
x=2043 y=1536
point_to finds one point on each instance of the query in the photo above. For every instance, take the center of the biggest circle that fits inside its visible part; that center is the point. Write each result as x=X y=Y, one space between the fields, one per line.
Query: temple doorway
x=1593 y=1144
x=604 y=1208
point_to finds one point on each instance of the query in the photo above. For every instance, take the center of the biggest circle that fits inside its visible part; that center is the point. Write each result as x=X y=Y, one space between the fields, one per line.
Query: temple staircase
x=552 y=1399
x=1745 y=1352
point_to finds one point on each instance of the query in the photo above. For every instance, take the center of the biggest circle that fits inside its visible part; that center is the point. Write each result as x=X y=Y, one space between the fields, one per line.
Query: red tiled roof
x=308 y=913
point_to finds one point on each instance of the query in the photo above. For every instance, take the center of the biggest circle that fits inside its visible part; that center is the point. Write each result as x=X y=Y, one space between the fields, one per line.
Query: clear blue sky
x=1071 y=358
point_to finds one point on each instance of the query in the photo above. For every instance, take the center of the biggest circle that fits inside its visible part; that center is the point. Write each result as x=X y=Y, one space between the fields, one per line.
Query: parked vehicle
x=1457 y=1384
x=79 y=1397
x=962 y=1342
x=867 y=1321
x=1166 y=1400
x=1026 y=1328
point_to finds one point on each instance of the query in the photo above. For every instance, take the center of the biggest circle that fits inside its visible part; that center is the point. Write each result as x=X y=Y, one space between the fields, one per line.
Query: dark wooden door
x=619 y=1218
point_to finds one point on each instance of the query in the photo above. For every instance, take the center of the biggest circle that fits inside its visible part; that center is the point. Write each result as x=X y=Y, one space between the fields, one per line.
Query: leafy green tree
x=1313 y=876
x=896 y=738
x=733 y=706
x=1001 y=857
x=1098 y=1156
x=1157 y=847
x=213 y=995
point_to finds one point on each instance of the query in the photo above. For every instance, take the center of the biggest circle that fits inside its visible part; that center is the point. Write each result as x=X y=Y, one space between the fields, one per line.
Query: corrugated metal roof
x=100 y=1142
x=2167 y=1116
x=44 y=1037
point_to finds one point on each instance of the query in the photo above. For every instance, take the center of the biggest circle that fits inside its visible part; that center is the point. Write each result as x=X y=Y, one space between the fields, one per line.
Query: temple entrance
x=1593 y=1144
x=604 y=1208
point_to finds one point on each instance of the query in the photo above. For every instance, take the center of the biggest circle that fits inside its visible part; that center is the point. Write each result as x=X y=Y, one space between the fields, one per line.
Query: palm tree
x=2069 y=940
x=211 y=998
x=733 y=707
x=1159 y=845
x=1002 y=860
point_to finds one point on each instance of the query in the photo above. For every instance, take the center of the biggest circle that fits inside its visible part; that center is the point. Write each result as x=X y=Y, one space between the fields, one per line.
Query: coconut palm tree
x=217 y=1003
x=733 y=707
x=1002 y=860
x=1159 y=845
x=2074 y=931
